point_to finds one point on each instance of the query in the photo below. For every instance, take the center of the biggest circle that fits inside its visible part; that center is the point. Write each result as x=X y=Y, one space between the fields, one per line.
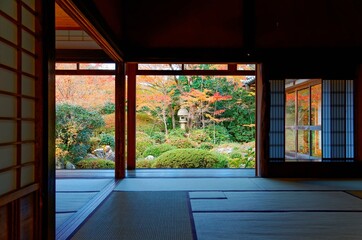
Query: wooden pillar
x=358 y=114
x=261 y=123
x=131 y=115
x=120 y=160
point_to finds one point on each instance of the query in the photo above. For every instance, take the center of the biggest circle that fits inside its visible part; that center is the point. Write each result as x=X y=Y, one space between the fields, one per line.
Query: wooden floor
x=224 y=206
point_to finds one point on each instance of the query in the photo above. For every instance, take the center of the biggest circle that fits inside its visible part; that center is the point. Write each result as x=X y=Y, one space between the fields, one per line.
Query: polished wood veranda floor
x=223 y=205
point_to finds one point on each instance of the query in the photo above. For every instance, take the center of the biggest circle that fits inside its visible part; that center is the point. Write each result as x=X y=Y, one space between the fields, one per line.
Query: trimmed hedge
x=95 y=164
x=143 y=163
x=157 y=150
x=187 y=158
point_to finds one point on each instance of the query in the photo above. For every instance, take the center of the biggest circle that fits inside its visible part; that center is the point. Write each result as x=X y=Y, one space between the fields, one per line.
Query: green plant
x=222 y=161
x=157 y=150
x=143 y=141
x=187 y=158
x=107 y=139
x=218 y=134
x=95 y=164
x=108 y=108
x=206 y=146
x=159 y=137
x=73 y=129
x=182 y=142
x=242 y=160
x=199 y=136
x=144 y=163
x=94 y=142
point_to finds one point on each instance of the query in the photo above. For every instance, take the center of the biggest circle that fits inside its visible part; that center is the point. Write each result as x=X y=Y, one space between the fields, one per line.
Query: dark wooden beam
x=86 y=16
x=82 y=56
x=120 y=162
x=131 y=69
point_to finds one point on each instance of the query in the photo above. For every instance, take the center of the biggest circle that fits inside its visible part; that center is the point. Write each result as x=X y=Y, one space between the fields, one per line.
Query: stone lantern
x=183 y=113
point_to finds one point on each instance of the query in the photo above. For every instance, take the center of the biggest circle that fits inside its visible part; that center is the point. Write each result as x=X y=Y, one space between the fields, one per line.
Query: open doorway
x=195 y=116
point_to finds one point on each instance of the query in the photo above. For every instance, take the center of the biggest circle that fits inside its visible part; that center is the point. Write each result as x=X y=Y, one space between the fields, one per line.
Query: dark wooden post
x=131 y=115
x=261 y=123
x=120 y=159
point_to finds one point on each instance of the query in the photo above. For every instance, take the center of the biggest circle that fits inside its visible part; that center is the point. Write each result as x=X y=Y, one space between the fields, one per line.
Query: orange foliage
x=85 y=91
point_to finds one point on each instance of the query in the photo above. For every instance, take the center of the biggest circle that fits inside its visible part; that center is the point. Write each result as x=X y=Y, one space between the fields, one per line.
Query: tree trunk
x=172 y=111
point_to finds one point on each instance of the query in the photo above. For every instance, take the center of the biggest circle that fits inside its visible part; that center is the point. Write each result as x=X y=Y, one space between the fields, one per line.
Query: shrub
x=199 y=136
x=222 y=161
x=159 y=137
x=107 y=139
x=144 y=163
x=206 y=146
x=143 y=141
x=108 y=108
x=73 y=129
x=157 y=150
x=242 y=160
x=187 y=158
x=94 y=142
x=95 y=164
x=177 y=133
x=218 y=134
x=182 y=142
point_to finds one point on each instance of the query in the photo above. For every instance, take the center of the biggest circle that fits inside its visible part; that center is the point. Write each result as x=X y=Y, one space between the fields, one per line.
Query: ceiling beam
x=93 y=27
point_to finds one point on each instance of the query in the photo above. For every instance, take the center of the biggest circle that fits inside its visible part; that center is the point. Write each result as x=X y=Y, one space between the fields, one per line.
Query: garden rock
x=226 y=150
x=149 y=157
x=59 y=165
x=110 y=156
x=91 y=156
x=99 y=152
x=69 y=165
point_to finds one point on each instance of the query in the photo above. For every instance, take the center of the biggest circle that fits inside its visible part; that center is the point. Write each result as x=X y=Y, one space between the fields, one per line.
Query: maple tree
x=85 y=91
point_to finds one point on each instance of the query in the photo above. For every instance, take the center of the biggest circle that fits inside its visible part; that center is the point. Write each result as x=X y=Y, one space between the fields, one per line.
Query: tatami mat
x=278 y=226
x=61 y=218
x=207 y=195
x=81 y=185
x=186 y=184
x=280 y=201
x=141 y=216
x=72 y=202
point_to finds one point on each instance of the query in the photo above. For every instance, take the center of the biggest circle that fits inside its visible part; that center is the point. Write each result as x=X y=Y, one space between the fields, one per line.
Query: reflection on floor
x=249 y=207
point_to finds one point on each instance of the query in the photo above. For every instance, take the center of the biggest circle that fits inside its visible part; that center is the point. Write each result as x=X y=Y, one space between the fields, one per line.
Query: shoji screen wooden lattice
x=19 y=101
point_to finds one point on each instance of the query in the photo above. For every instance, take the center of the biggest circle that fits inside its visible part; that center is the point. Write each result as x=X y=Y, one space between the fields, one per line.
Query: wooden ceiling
x=229 y=30
x=63 y=21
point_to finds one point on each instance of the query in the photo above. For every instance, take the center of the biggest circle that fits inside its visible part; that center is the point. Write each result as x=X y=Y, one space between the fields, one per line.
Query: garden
x=182 y=122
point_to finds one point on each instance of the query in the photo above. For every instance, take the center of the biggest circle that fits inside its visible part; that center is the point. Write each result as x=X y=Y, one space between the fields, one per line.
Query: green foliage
x=148 y=124
x=144 y=163
x=242 y=160
x=222 y=161
x=199 y=136
x=73 y=130
x=108 y=108
x=187 y=158
x=107 y=139
x=143 y=142
x=220 y=133
x=182 y=142
x=95 y=164
x=206 y=146
x=158 y=137
x=177 y=133
x=94 y=142
x=157 y=150
x=243 y=114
